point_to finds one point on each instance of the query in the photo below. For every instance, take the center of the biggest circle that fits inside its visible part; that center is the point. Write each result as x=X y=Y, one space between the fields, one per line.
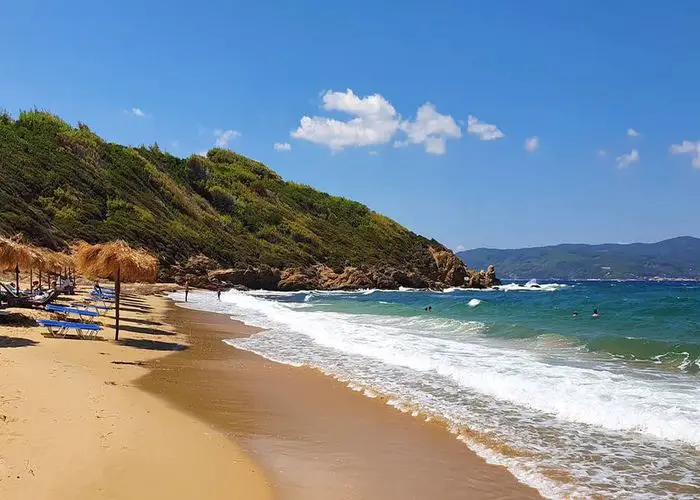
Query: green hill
x=674 y=258
x=61 y=183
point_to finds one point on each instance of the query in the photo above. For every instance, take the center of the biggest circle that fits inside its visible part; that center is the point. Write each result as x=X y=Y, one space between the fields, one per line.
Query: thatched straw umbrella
x=117 y=261
x=13 y=255
x=56 y=262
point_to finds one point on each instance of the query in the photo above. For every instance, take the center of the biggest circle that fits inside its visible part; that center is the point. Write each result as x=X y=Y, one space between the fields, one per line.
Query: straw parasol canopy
x=107 y=259
x=117 y=261
x=13 y=254
x=55 y=261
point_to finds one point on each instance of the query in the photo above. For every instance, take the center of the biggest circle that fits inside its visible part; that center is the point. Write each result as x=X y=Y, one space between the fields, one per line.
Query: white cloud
x=627 y=159
x=532 y=143
x=348 y=102
x=175 y=144
x=136 y=112
x=282 y=146
x=460 y=248
x=223 y=137
x=202 y=153
x=632 y=133
x=485 y=131
x=688 y=147
x=431 y=129
x=602 y=153
x=373 y=153
x=375 y=122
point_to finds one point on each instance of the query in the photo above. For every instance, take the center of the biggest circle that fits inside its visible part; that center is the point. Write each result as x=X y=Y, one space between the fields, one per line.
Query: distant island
x=676 y=258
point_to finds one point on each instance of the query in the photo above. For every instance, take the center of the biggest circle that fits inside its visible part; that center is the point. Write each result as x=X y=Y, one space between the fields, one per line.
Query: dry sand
x=73 y=424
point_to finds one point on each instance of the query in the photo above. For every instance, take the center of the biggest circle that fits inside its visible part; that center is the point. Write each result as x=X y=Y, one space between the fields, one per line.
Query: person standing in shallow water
x=218 y=295
x=187 y=289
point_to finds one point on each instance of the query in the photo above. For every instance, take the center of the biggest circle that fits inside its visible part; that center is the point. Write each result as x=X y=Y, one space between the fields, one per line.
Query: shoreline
x=315 y=437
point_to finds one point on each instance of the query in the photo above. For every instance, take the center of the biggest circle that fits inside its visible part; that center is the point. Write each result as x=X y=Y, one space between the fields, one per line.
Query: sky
x=499 y=124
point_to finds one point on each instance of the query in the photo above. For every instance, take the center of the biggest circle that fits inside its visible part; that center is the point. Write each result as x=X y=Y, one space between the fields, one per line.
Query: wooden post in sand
x=117 y=261
x=17 y=279
x=117 y=292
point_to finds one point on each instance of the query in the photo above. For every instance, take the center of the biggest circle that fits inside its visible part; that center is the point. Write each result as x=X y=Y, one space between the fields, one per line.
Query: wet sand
x=315 y=438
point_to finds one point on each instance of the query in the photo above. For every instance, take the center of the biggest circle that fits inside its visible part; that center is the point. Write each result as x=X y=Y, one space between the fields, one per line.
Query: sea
x=573 y=405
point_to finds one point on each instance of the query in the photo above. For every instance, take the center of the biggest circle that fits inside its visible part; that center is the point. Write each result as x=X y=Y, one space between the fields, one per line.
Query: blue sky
x=582 y=77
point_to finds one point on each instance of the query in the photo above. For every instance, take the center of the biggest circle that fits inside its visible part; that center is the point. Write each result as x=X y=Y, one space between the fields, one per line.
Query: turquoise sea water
x=572 y=405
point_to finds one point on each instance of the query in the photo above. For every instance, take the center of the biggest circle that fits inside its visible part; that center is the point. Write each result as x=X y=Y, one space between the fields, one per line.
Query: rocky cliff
x=443 y=270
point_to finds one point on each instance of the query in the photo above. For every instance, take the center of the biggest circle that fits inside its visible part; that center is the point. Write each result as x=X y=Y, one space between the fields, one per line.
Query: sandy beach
x=74 y=425
x=315 y=437
x=172 y=412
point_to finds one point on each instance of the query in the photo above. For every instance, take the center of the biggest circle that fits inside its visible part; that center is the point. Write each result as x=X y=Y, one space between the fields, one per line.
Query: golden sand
x=73 y=424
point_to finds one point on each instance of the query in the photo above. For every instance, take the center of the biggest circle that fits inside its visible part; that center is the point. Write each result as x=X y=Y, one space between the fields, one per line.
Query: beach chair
x=101 y=310
x=12 y=298
x=15 y=300
x=68 y=311
x=61 y=328
x=45 y=300
x=102 y=295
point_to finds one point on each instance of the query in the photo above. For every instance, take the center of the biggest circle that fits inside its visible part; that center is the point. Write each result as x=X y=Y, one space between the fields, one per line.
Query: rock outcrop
x=438 y=268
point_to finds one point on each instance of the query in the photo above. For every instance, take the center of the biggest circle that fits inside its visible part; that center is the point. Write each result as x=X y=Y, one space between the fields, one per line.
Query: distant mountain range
x=668 y=259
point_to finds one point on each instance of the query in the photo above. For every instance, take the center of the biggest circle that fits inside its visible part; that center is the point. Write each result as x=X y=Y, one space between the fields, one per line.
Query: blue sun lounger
x=101 y=310
x=61 y=328
x=67 y=311
x=105 y=299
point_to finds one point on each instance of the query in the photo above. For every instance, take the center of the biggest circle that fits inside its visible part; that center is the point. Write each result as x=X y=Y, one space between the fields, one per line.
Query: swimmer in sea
x=575 y=314
x=595 y=314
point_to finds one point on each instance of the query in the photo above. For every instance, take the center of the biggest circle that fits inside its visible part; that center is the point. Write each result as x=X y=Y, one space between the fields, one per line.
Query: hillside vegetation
x=674 y=258
x=61 y=183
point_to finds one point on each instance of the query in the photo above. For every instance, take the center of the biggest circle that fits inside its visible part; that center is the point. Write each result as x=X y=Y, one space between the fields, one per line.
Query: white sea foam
x=531 y=287
x=560 y=410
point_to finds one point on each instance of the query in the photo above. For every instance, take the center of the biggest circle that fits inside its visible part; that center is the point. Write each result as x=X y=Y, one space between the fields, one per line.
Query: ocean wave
x=536 y=399
x=532 y=287
x=681 y=355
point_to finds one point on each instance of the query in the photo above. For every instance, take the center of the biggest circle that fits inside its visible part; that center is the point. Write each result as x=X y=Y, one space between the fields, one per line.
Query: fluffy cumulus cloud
x=224 y=137
x=688 y=147
x=374 y=121
x=373 y=153
x=431 y=129
x=632 y=133
x=532 y=143
x=282 y=146
x=602 y=153
x=485 y=131
x=628 y=159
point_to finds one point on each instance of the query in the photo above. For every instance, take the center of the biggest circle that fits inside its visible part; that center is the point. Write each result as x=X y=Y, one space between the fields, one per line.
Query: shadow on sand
x=16 y=342
x=141 y=321
x=153 y=345
x=143 y=330
x=17 y=320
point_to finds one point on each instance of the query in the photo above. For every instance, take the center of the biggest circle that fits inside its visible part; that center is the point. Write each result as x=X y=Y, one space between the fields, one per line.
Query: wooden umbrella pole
x=39 y=278
x=17 y=278
x=31 y=279
x=117 y=291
